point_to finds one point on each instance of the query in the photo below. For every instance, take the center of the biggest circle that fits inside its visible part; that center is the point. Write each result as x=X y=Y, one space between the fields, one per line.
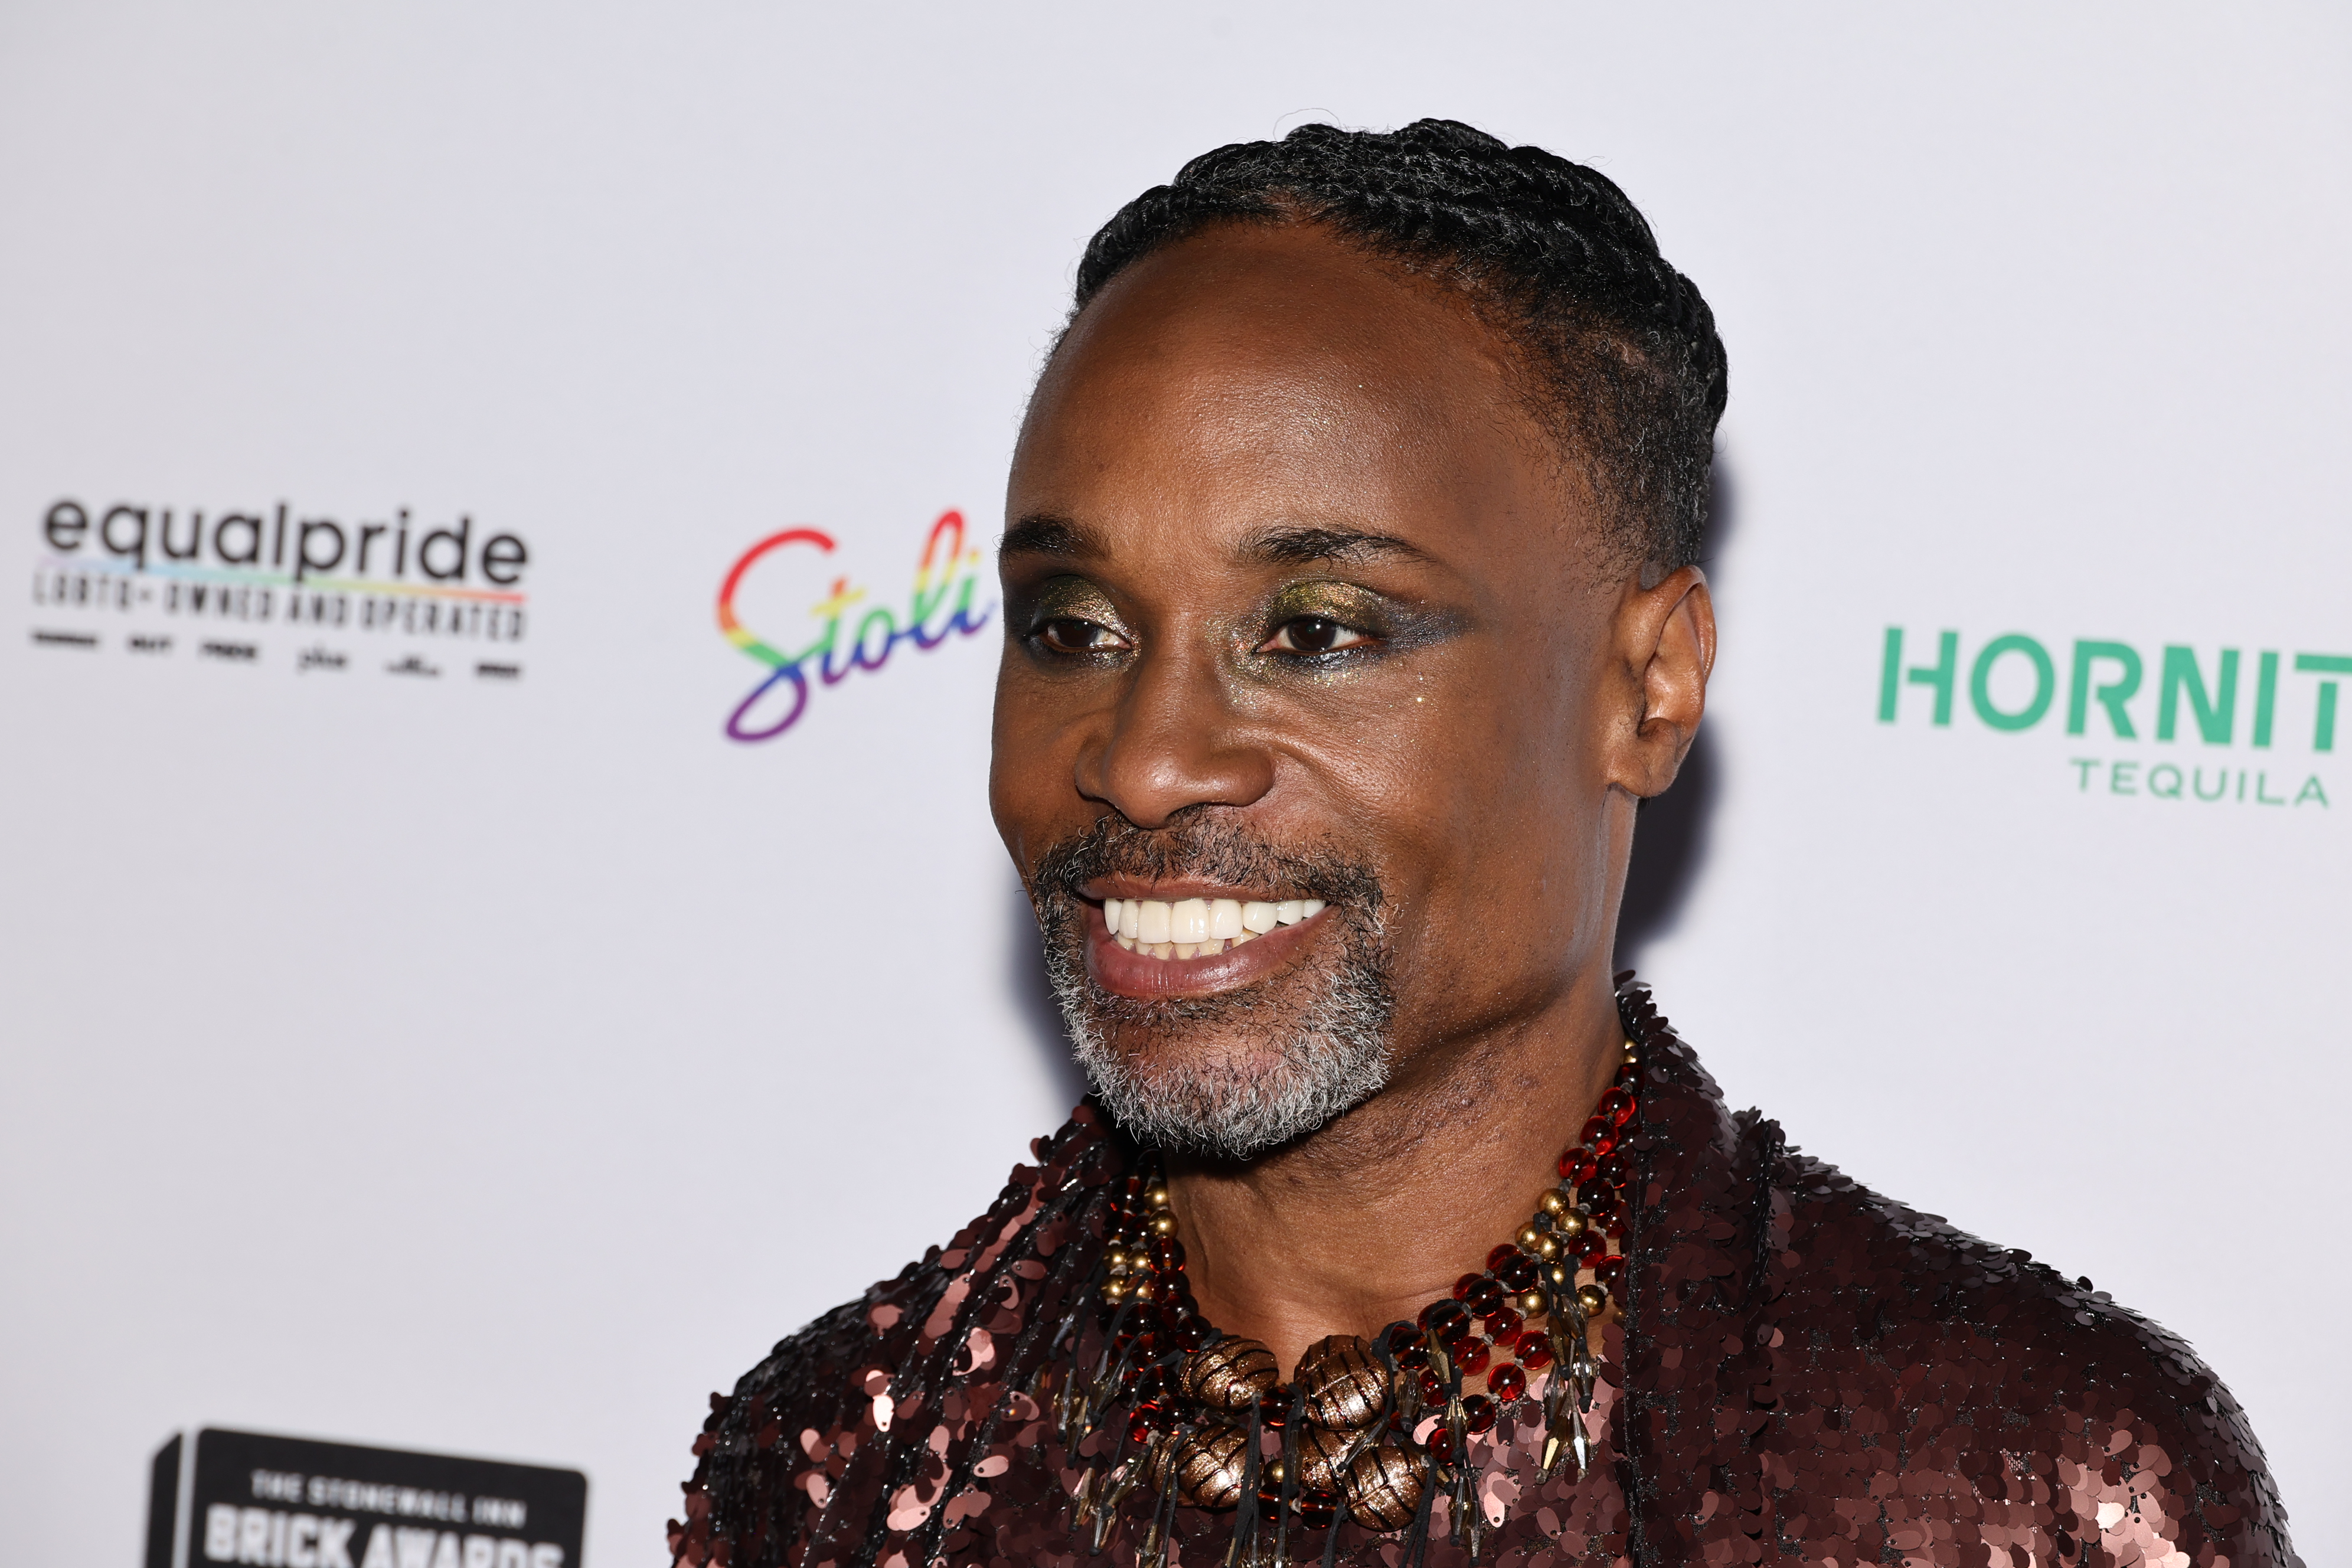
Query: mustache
x=1196 y=847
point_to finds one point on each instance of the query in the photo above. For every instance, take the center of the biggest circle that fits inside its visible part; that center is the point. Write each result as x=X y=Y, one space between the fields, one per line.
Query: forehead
x=1256 y=375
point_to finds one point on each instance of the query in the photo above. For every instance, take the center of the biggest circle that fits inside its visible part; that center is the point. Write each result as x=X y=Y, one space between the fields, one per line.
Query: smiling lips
x=1190 y=928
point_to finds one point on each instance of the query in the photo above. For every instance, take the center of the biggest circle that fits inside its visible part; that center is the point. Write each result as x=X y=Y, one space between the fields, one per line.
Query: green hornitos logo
x=2014 y=682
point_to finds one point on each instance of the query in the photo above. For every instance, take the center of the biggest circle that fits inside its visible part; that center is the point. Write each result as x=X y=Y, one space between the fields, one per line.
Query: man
x=1351 y=606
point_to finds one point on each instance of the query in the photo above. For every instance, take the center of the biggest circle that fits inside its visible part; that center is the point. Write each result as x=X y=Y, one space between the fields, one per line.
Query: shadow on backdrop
x=1670 y=844
x=1672 y=830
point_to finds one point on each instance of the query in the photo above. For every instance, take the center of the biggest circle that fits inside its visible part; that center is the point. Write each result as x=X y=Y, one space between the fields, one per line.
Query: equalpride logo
x=2013 y=684
x=941 y=606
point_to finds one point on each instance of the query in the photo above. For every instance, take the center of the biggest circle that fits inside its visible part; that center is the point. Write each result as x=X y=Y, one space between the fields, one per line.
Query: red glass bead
x=1518 y=1273
x=1415 y=1357
x=1611 y=1271
x=1479 y=1413
x=1534 y=1349
x=1440 y=1444
x=1167 y=1253
x=1502 y=1255
x=1507 y=1383
x=1146 y=1420
x=1433 y=1392
x=1592 y=1248
x=1586 y=1169
x=1397 y=1338
x=1610 y=1098
x=1463 y=1286
x=1503 y=1323
x=1448 y=1320
x=1470 y=1355
x=1274 y=1411
x=1315 y=1510
x=1615 y=1168
x=1568 y=1164
x=1485 y=1297
x=1603 y=1147
x=1593 y=1130
x=1625 y=1112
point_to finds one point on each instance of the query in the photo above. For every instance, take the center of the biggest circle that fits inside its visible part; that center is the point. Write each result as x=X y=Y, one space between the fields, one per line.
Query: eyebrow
x=1300 y=546
x=1041 y=533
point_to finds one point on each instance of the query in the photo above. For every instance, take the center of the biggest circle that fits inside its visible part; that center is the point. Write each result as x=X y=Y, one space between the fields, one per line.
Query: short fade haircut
x=1625 y=367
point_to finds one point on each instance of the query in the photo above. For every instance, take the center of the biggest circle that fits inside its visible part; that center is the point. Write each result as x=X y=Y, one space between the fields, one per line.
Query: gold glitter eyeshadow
x=1805 y=1373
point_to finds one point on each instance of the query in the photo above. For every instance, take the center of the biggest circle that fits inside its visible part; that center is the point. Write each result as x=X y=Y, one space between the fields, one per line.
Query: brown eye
x=1069 y=634
x=1312 y=633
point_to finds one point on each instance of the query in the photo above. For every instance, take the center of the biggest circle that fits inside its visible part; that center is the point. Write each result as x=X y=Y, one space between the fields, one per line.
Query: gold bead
x=1319 y=1454
x=1553 y=1203
x=1231 y=1374
x=1156 y=1198
x=1530 y=1302
x=1164 y=1224
x=1116 y=1259
x=1114 y=1290
x=1546 y=1247
x=1529 y=1238
x=1593 y=1297
x=1340 y=1384
x=1209 y=1467
x=1274 y=1472
x=1559 y=1274
x=1141 y=1289
x=1384 y=1486
x=1570 y=1223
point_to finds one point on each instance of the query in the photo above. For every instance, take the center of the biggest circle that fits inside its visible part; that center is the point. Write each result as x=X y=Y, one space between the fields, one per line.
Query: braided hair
x=1620 y=351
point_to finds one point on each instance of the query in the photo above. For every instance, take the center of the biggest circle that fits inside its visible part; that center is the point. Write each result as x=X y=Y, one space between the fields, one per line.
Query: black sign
x=289 y=1503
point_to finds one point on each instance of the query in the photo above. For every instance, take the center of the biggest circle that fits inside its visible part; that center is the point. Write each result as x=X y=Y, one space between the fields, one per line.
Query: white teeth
x=1197 y=928
x=1188 y=920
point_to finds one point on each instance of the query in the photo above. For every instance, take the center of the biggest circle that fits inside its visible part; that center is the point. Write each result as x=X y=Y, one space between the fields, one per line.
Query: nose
x=1175 y=742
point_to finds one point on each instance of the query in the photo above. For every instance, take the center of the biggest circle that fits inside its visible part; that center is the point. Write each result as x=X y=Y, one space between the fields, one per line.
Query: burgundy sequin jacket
x=1805 y=1371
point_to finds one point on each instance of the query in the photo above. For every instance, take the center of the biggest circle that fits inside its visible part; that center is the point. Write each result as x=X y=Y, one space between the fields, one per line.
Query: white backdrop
x=497 y=1063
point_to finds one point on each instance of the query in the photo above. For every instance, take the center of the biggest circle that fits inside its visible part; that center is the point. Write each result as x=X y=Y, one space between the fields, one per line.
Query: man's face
x=1301 y=605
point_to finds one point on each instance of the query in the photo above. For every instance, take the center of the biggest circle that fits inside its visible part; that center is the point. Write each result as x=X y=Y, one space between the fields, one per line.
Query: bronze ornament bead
x=1546 y=1247
x=1570 y=1223
x=1231 y=1374
x=1163 y=1224
x=1530 y=1303
x=1319 y=1459
x=1384 y=1486
x=1157 y=1198
x=1553 y=1203
x=1210 y=1467
x=1343 y=1387
x=1529 y=1238
x=1593 y=1297
x=1114 y=1290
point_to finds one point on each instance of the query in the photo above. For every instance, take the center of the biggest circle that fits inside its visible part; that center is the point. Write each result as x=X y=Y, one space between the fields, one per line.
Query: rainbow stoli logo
x=947 y=579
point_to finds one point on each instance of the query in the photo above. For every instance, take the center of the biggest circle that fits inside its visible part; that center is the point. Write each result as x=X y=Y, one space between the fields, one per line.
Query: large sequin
x=1805 y=1373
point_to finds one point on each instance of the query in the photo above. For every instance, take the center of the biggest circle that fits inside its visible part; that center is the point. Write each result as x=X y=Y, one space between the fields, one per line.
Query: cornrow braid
x=1626 y=368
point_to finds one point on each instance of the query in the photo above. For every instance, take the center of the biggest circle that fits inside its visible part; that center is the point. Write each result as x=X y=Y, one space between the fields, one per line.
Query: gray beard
x=1332 y=1048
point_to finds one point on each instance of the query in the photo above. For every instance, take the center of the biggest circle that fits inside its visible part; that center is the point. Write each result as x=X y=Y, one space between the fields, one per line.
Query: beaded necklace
x=1375 y=1430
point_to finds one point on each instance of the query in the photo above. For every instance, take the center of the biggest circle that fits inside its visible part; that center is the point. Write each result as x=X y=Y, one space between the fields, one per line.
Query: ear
x=1664 y=643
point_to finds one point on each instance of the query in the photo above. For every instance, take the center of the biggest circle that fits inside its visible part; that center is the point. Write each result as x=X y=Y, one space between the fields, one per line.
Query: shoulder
x=1918 y=1359
x=833 y=1420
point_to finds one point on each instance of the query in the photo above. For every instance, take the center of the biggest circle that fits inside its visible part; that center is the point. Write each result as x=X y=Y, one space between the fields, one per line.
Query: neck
x=1370 y=1218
